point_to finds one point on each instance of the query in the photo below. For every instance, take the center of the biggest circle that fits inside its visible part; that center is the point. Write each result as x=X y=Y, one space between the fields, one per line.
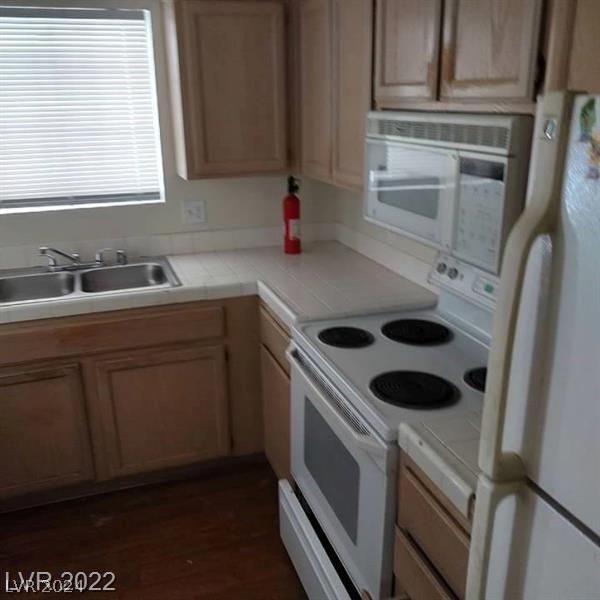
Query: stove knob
x=453 y=273
x=441 y=268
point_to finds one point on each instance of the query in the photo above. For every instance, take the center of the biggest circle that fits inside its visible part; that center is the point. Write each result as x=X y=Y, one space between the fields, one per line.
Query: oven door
x=412 y=189
x=346 y=474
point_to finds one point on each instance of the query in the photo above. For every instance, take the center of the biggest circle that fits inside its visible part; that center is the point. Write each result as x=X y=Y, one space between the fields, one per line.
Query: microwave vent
x=491 y=136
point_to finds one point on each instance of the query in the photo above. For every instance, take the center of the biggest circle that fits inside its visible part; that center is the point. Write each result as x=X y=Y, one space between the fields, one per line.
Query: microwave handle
x=336 y=419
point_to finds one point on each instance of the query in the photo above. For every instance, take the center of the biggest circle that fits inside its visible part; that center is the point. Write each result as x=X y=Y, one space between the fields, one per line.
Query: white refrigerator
x=536 y=532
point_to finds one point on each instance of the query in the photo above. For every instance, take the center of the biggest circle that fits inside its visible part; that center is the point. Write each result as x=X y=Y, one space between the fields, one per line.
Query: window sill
x=61 y=207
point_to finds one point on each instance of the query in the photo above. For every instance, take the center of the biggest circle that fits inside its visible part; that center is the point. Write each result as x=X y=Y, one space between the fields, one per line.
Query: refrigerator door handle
x=539 y=218
x=489 y=495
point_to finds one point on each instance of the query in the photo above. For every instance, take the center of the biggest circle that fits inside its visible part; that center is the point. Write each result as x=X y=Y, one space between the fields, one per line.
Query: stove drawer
x=436 y=533
x=315 y=570
x=414 y=574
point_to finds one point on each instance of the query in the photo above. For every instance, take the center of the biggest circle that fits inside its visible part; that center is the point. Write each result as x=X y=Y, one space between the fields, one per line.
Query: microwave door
x=412 y=189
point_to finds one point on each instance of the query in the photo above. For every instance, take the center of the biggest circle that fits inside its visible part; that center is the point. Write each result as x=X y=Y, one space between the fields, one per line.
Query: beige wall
x=231 y=203
x=347 y=206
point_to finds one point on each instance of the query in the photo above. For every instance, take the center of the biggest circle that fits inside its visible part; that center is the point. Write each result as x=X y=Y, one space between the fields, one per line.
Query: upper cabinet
x=490 y=49
x=574 y=46
x=488 y=55
x=335 y=88
x=407 y=55
x=316 y=87
x=227 y=64
x=352 y=57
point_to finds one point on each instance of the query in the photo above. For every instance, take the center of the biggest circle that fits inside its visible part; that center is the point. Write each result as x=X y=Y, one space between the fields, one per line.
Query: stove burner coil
x=476 y=378
x=413 y=389
x=346 y=337
x=417 y=332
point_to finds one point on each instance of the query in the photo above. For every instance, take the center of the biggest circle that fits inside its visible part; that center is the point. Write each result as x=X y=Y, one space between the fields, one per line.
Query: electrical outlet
x=194 y=211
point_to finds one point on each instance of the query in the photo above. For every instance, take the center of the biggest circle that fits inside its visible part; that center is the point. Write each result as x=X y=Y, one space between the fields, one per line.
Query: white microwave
x=454 y=181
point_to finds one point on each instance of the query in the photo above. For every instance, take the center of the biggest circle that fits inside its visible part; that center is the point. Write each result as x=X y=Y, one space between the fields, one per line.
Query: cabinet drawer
x=274 y=338
x=413 y=573
x=434 y=530
x=103 y=332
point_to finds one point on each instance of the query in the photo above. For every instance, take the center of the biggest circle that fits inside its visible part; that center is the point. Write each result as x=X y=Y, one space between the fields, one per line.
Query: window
x=78 y=114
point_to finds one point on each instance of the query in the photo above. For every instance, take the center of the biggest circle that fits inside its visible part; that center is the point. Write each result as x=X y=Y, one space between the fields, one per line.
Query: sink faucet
x=51 y=253
x=75 y=260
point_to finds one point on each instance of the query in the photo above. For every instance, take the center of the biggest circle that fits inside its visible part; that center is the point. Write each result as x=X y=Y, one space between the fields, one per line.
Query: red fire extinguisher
x=291 y=218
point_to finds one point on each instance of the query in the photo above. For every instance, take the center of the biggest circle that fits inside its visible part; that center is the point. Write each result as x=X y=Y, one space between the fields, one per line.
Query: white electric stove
x=354 y=381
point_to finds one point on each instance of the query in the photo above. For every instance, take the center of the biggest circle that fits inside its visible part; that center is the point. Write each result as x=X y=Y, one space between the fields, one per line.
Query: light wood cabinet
x=584 y=63
x=432 y=539
x=44 y=438
x=275 y=377
x=490 y=49
x=276 y=411
x=316 y=88
x=414 y=574
x=407 y=54
x=163 y=407
x=335 y=82
x=488 y=59
x=441 y=539
x=96 y=402
x=573 y=57
x=228 y=86
x=352 y=57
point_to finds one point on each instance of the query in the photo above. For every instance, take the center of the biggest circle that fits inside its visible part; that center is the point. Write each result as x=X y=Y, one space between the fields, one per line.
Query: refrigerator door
x=541 y=417
x=553 y=404
x=538 y=554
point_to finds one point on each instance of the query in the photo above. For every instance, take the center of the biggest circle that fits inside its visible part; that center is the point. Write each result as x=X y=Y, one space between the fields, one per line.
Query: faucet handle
x=122 y=257
x=100 y=255
x=52 y=263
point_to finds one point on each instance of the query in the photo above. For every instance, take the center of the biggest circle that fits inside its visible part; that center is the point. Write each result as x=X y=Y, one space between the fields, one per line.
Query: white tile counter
x=327 y=279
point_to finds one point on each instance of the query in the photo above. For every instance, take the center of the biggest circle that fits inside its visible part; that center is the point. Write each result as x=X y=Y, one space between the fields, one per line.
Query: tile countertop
x=446 y=449
x=327 y=279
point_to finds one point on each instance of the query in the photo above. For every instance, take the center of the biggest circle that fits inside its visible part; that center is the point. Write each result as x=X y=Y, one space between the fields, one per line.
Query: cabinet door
x=316 y=88
x=163 y=407
x=584 y=70
x=232 y=70
x=407 y=49
x=352 y=26
x=44 y=438
x=276 y=413
x=490 y=49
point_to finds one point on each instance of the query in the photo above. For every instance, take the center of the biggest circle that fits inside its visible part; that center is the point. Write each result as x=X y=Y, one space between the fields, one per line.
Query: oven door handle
x=338 y=421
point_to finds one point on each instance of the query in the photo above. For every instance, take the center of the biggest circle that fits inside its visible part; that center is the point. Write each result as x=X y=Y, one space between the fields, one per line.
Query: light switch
x=194 y=211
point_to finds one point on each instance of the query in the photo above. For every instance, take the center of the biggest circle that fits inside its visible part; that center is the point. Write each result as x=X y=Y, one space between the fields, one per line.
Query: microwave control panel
x=479 y=218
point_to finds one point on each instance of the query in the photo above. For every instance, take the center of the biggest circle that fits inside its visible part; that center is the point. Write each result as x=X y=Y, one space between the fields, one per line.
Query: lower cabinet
x=432 y=539
x=276 y=413
x=89 y=402
x=163 y=407
x=44 y=438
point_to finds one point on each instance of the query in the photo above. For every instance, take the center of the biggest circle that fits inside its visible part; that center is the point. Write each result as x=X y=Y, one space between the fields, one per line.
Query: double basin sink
x=33 y=285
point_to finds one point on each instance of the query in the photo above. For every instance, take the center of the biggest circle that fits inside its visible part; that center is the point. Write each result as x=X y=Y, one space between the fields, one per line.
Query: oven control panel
x=465 y=279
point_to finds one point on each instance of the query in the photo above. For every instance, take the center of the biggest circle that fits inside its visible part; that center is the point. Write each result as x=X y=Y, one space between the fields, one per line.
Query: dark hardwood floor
x=212 y=537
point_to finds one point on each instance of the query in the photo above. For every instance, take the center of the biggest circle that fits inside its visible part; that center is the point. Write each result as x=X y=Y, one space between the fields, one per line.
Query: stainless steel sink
x=37 y=286
x=30 y=285
x=127 y=277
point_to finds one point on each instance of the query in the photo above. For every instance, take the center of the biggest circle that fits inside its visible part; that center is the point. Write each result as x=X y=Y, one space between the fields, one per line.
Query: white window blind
x=78 y=116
